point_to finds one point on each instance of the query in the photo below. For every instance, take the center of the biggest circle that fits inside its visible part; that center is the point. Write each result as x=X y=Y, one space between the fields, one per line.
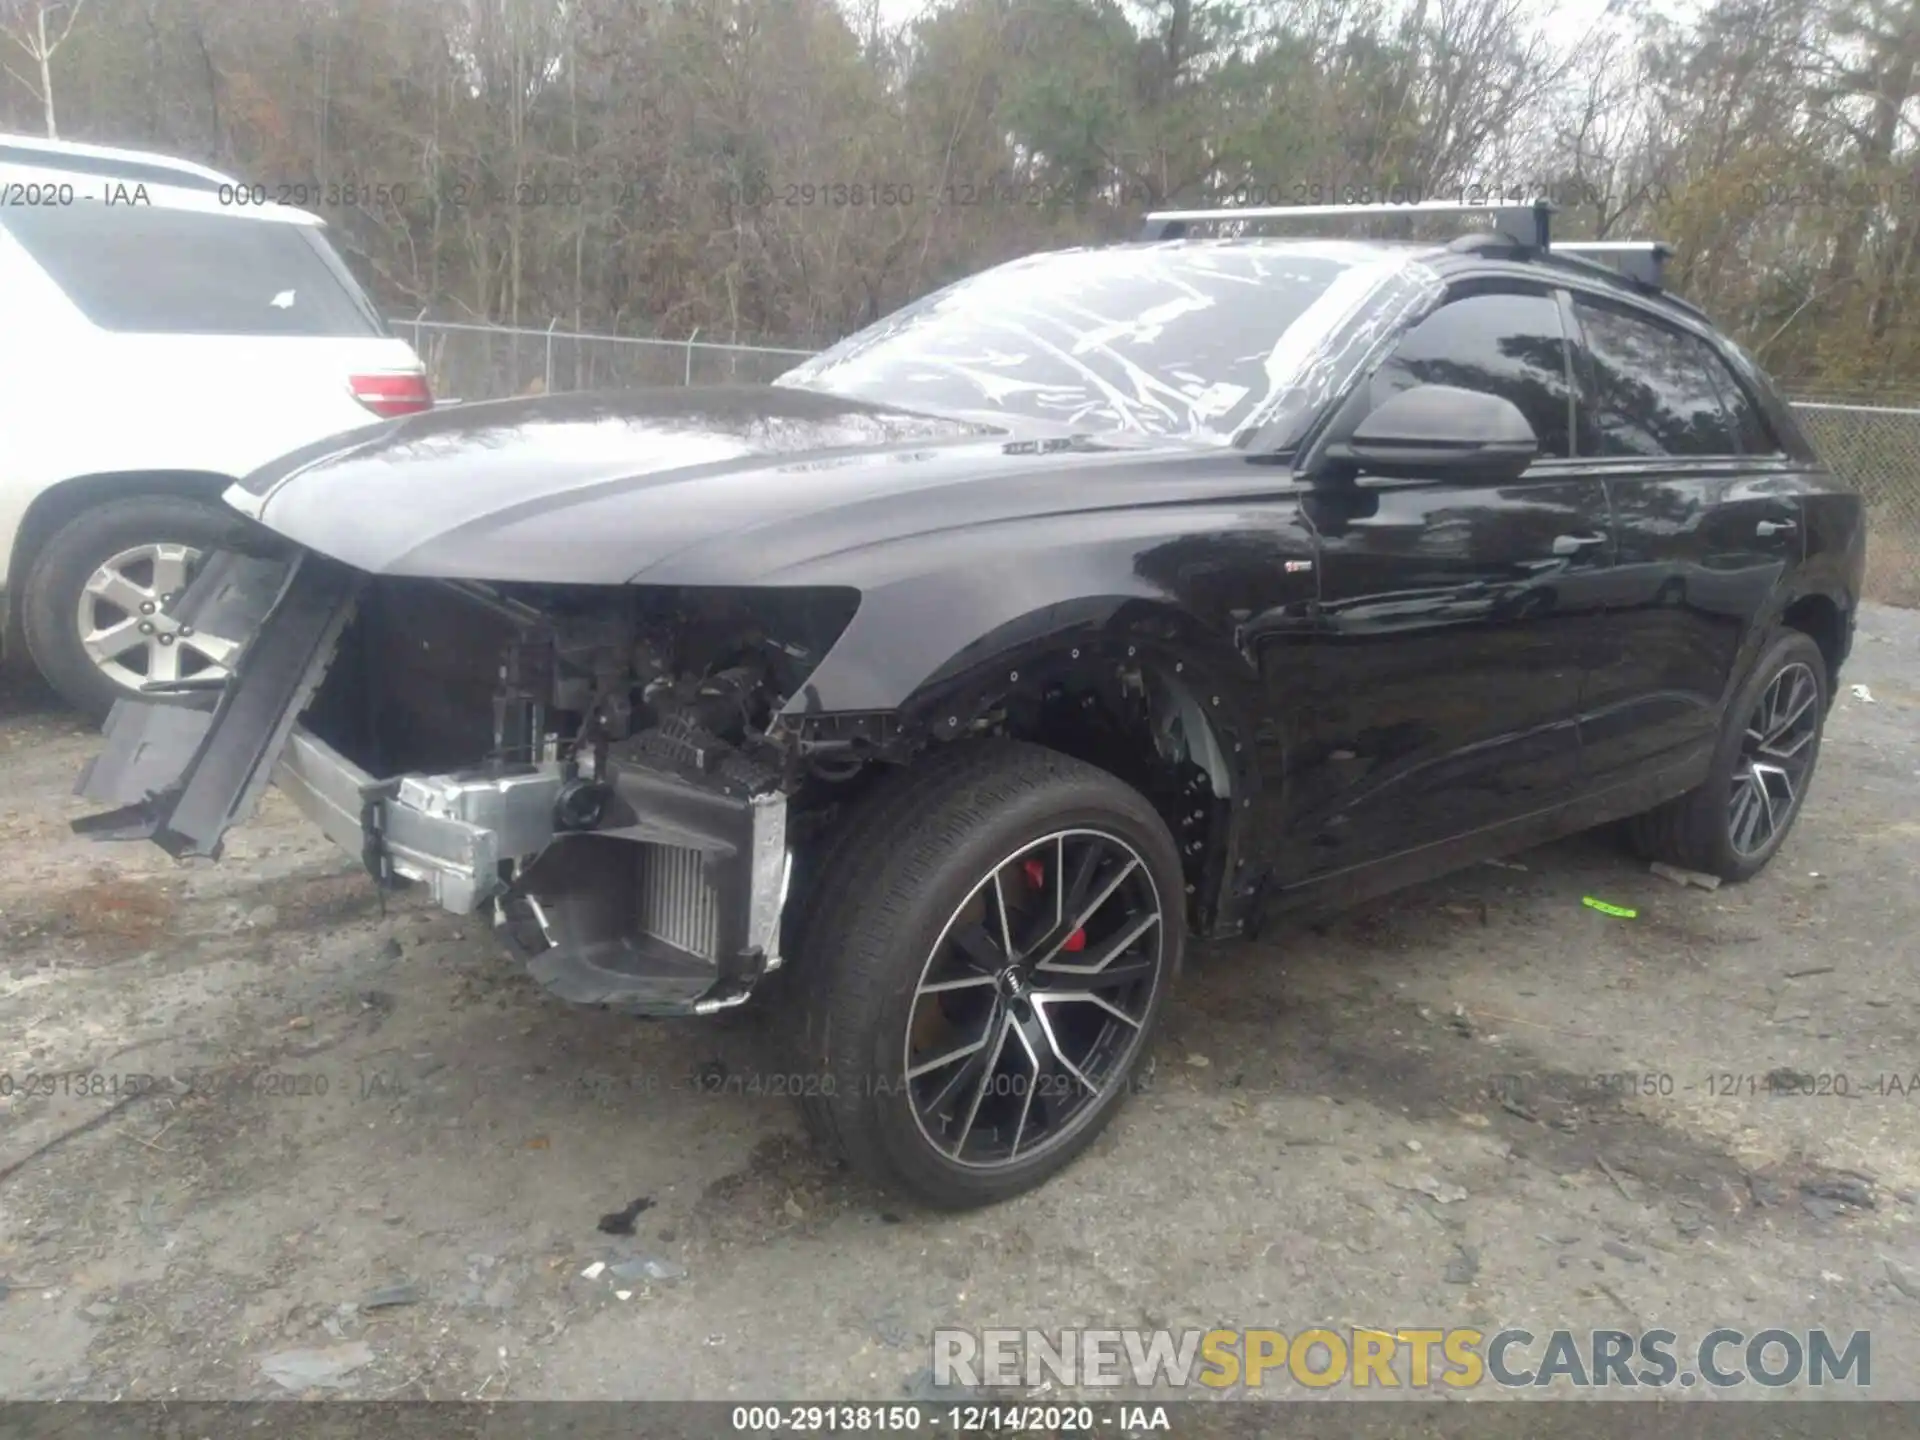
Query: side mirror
x=1441 y=432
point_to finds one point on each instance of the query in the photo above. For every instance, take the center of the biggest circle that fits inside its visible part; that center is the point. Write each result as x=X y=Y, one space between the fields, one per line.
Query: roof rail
x=1525 y=226
x=1525 y=223
x=1641 y=261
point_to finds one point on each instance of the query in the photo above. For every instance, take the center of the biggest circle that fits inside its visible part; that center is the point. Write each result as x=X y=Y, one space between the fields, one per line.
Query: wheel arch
x=62 y=501
x=1825 y=620
x=1143 y=690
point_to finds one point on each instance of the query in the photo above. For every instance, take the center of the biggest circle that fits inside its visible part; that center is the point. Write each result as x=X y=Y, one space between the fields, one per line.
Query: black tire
x=1697 y=831
x=900 y=870
x=58 y=576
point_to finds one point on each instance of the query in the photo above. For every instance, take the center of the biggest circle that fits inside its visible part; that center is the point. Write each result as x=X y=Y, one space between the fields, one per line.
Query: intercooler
x=676 y=904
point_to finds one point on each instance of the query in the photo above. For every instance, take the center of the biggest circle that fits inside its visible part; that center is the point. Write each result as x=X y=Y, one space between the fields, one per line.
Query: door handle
x=1574 y=544
x=1775 y=527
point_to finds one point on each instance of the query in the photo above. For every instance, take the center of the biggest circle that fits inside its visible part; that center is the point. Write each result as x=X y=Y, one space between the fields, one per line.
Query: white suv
x=161 y=335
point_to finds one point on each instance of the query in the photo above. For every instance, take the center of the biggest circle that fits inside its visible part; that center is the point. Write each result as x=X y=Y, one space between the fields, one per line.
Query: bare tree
x=40 y=28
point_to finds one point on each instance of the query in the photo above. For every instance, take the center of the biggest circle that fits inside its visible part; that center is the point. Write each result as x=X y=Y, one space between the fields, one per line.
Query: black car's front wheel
x=982 y=969
x=1732 y=824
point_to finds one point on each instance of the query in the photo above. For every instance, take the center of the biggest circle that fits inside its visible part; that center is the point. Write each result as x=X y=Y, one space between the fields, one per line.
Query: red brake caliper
x=1036 y=874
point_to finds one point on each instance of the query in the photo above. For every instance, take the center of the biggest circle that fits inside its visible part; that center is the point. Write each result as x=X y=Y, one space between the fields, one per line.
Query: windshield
x=1196 y=339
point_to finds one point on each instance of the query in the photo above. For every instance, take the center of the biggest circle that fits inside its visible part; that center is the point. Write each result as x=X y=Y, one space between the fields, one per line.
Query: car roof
x=100 y=175
x=1356 y=249
x=73 y=158
x=1472 y=254
x=1580 y=272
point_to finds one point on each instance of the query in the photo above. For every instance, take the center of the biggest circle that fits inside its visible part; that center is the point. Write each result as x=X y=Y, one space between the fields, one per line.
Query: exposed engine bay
x=431 y=673
x=614 y=744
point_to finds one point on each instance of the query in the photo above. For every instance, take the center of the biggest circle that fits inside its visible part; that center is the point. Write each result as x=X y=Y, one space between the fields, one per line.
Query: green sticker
x=1605 y=909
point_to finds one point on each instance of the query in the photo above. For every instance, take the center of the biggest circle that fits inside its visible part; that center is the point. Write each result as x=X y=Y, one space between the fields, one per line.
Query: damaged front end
x=599 y=769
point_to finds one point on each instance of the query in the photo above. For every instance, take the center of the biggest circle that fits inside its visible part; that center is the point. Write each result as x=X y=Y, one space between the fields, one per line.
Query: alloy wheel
x=1776 y=754
x=1035 y=998
x=128 y=630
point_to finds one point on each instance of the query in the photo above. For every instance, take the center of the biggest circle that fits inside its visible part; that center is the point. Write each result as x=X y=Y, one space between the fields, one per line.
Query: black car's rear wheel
x=992 y=944
x=1732 y=824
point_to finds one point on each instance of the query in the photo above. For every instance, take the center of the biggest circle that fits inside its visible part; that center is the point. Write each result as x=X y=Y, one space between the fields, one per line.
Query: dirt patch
x=106 y=917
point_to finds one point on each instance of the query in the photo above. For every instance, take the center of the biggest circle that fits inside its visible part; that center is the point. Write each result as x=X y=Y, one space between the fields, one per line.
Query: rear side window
x=1750 y=430
x=1654 y=389
x=1506 y=343
x=151 y=269
x=1783 y=434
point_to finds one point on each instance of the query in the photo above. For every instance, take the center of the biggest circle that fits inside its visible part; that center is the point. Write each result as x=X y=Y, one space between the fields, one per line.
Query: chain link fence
x=1875 y=447
x=493 y=362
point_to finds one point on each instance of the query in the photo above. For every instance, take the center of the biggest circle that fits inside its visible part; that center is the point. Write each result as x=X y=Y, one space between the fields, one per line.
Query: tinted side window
x=1750 y=430
x=1653 y=391
x=1511 y=345
x=153 y=269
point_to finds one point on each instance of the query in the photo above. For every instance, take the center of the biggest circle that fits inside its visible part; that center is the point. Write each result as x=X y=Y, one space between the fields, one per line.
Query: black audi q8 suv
x=944 y=689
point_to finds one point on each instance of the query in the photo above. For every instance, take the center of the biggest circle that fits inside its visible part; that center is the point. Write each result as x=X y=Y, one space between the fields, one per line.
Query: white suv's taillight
x=392 y=393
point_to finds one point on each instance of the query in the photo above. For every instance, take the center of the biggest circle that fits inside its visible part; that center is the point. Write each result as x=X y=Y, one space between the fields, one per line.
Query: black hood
x=693 y=485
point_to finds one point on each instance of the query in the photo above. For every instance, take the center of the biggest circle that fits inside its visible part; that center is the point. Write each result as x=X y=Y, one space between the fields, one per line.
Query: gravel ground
x=381 y=1101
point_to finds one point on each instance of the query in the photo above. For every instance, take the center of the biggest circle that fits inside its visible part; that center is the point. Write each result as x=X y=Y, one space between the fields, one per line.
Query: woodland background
x=786 y=170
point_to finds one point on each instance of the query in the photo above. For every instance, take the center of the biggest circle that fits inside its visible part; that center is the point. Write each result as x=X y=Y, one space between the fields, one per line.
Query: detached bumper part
x=671 y=907
x=183 y=777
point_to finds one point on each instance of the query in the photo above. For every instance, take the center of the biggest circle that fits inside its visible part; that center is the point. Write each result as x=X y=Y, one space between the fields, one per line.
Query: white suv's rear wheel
x=97 y=612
